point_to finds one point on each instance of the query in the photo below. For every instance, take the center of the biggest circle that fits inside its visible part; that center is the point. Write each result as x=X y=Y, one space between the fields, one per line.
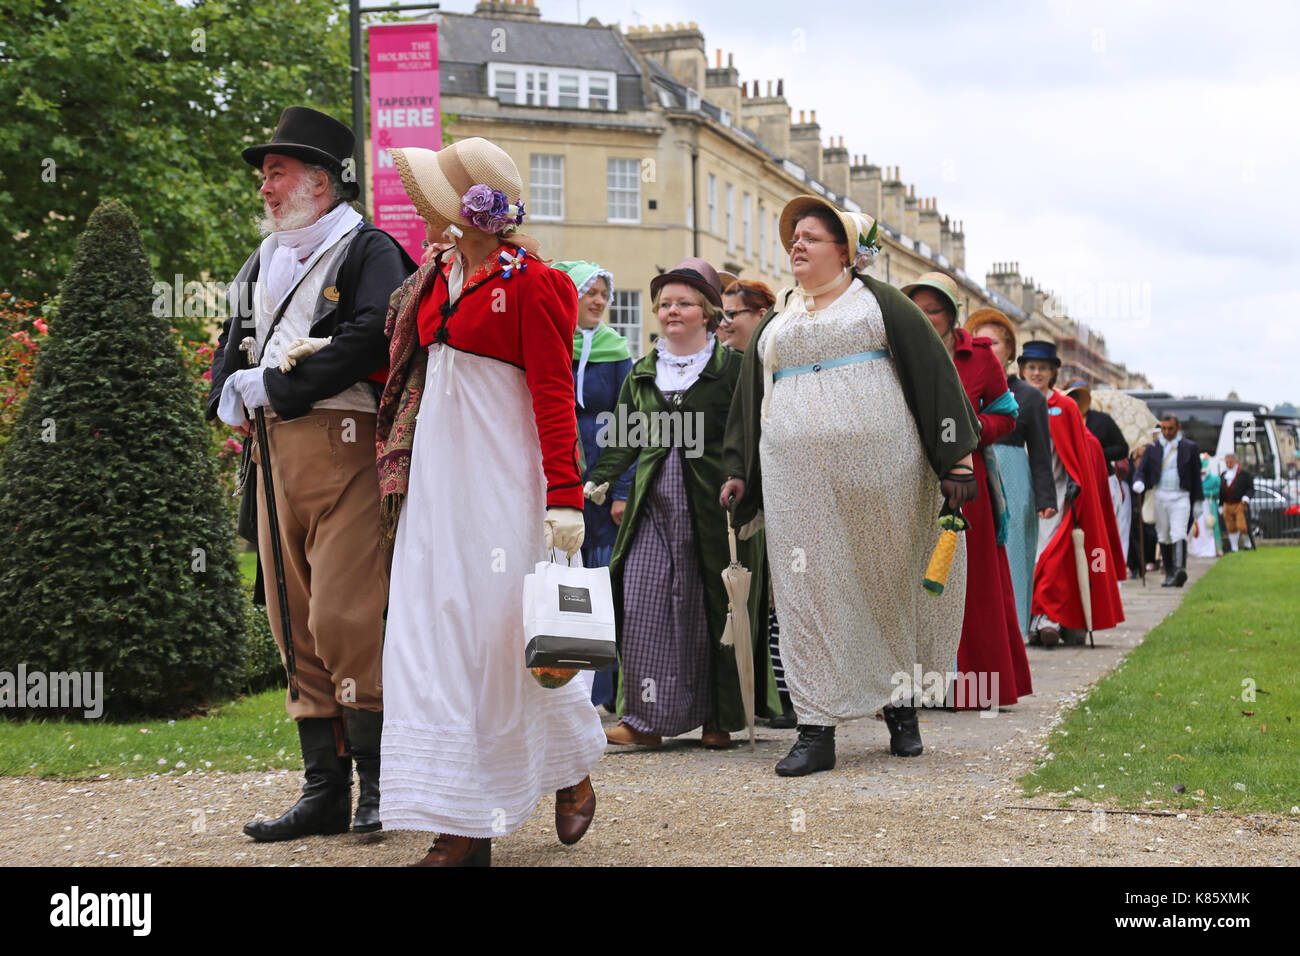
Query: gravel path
x=956 y=804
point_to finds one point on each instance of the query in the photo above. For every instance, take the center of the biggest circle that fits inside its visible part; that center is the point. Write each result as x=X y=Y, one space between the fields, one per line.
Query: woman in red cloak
x=1058 y=596
x=992 y=667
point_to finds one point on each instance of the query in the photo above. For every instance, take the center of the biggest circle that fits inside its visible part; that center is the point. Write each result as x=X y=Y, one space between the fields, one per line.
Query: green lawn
x=248 y=565
x=1175 y=726
x=248 y=734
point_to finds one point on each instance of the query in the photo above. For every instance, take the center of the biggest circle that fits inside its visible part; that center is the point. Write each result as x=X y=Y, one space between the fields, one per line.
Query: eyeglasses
x=682 y=305
x=807 y=242
x=730 y=315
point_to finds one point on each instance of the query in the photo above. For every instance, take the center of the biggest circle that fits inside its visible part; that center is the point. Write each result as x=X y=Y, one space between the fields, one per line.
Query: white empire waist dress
x=471 y=741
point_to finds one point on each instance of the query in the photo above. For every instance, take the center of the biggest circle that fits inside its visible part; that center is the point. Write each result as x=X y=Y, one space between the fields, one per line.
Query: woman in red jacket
x=478 y=472
x=992 y=668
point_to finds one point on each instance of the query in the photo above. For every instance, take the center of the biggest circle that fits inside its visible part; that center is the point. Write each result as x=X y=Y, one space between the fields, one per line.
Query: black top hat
x=1040 y=351
x=312 y=137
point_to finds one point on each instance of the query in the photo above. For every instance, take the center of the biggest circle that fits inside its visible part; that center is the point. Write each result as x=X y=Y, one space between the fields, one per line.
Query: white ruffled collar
x=675 y=373
x=681 y=361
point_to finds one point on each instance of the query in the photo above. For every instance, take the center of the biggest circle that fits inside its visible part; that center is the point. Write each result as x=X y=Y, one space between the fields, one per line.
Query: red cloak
x=990 y=634
x=1056 y=583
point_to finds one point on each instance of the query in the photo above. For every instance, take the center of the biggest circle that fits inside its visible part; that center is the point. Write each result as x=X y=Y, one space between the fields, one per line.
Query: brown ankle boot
x=574 y=808
x=449 y=850
x=627 y=735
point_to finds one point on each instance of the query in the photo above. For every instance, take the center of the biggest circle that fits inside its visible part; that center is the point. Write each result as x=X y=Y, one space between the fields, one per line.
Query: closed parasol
x=736 y=634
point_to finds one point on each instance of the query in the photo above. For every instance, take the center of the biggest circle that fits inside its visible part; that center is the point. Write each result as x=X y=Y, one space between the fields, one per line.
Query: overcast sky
x=1141 y=160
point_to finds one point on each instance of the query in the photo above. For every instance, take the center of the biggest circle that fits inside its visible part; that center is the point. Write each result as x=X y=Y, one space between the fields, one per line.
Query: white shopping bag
x=568 y=617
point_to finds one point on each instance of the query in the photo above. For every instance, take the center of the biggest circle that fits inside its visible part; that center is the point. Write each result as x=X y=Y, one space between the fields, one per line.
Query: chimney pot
x=801 y=116
x=814 y=116
x=719 y=56
x=731 y=57
x=780 y=86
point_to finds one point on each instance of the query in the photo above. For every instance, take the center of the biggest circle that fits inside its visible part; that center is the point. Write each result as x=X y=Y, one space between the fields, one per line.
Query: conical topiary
x=116 y=553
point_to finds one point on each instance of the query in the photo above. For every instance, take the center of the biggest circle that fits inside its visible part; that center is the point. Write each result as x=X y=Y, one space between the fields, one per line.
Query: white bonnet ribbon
x=587 y=336
x=794 y=305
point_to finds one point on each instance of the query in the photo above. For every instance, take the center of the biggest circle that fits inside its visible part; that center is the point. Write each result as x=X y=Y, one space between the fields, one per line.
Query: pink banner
x=404 y=111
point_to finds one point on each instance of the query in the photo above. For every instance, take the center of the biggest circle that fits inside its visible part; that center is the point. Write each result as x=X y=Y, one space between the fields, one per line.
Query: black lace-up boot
x=813 y=751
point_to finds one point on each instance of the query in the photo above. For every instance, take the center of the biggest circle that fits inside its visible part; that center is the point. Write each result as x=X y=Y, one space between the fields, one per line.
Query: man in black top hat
x=314 y=295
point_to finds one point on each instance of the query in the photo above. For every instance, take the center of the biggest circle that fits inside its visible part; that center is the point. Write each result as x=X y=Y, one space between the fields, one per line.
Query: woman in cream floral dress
x=848 y=422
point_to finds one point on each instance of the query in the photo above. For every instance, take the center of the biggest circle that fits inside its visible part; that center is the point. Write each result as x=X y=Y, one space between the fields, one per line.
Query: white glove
x=595 y=492
x=245 y=388
x=300 y=349
x=252 y=386
x=565 y=529
x=1139 y=487
x=230 y=409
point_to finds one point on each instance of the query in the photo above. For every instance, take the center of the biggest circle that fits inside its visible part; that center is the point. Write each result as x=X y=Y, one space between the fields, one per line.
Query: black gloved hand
x=959 y=486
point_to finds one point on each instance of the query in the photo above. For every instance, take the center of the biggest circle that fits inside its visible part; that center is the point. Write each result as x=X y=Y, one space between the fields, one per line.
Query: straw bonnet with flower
x=478 y=467
x=848 y=413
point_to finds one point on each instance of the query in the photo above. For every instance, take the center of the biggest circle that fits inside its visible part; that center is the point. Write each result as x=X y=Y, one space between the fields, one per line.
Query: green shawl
x=606 y=345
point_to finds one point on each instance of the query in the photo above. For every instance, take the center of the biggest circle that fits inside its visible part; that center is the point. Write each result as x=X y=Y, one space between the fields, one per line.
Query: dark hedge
x=117 y=552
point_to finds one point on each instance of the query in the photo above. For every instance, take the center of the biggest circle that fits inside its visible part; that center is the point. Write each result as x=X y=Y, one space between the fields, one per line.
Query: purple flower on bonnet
x=489 y=209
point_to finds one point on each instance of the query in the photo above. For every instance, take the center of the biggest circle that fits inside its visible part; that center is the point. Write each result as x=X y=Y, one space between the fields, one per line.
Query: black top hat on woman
x=312 y=137
x=1040 y=351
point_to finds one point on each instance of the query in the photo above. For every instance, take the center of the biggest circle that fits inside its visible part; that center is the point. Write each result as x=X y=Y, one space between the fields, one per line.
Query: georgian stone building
x=636 y=151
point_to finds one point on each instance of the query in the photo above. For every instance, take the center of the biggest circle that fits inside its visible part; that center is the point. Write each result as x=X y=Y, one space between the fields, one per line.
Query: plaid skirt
x=666 y=654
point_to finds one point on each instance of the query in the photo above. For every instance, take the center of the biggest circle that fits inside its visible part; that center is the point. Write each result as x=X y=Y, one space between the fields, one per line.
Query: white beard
x=297 y=210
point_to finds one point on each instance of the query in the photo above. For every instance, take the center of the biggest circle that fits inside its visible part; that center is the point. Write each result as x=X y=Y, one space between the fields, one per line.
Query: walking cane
x=249 y=345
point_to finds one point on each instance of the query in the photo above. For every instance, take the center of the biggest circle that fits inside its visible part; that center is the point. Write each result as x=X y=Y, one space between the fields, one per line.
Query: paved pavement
x=954 y=805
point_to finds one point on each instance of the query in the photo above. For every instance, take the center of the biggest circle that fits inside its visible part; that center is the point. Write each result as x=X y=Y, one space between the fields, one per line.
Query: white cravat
x=287 y=254
x=587 y=335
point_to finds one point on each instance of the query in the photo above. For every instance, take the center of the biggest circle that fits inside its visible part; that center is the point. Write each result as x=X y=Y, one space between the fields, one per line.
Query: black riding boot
x=326 y=801
x=787 y=720
x=1167 y=562
x=365 y=727
x=1180 y=563
x=904 y=734
x=813 y=751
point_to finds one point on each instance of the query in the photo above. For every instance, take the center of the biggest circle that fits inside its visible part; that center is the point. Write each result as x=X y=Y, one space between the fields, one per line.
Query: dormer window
x=514 y=83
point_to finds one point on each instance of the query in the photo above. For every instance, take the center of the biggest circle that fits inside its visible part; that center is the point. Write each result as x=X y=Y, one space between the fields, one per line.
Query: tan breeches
x=336 y=577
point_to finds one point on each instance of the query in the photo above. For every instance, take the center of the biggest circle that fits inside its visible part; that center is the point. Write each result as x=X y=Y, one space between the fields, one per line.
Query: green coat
x=941 y=413
x=703 y=476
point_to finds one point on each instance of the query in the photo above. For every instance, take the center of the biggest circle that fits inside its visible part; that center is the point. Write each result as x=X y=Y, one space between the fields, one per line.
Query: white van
x=1265 y=444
